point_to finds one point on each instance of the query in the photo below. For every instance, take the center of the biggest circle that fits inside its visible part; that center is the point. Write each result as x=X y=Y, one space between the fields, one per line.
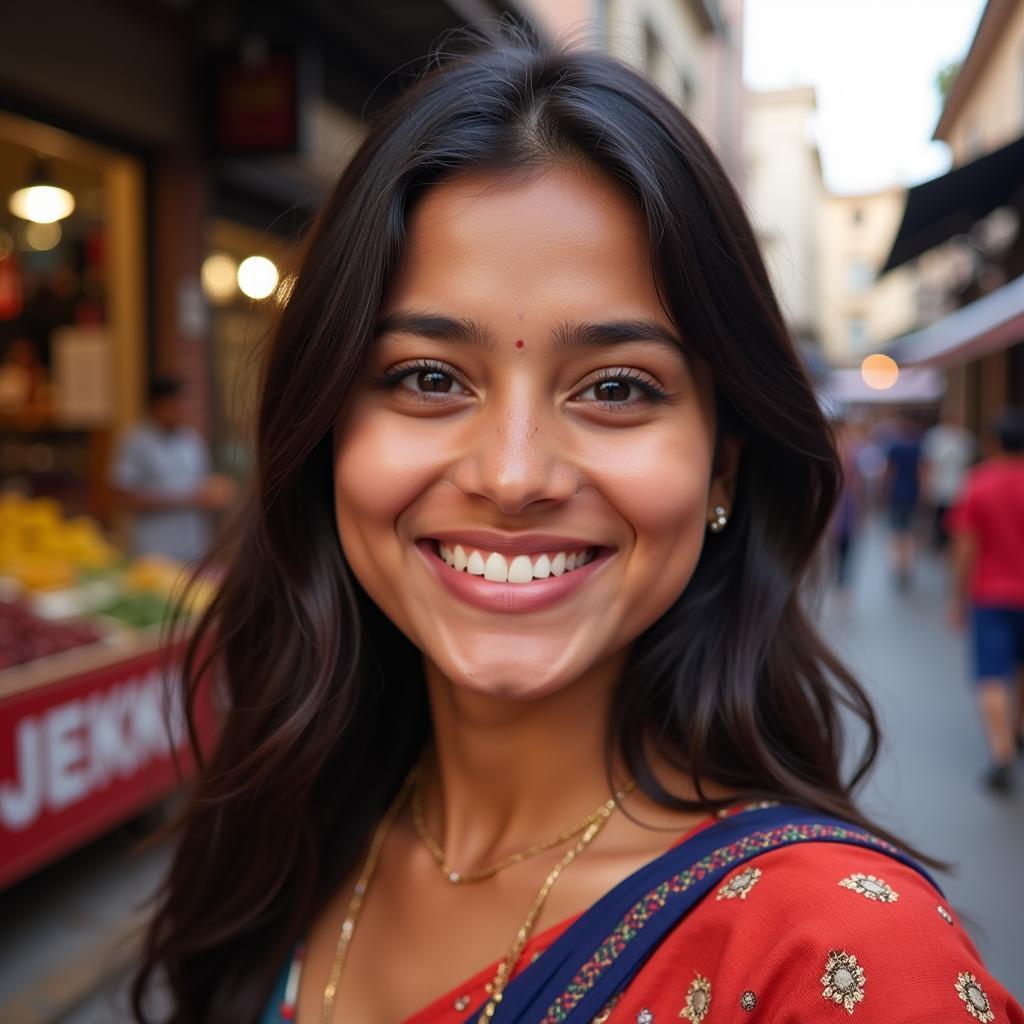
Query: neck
x=504 y=774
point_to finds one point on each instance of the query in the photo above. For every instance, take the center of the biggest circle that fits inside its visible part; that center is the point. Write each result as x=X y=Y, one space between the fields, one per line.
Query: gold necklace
x=356 y=901
x=496 y=988
x=508 y=965
x=462 y=878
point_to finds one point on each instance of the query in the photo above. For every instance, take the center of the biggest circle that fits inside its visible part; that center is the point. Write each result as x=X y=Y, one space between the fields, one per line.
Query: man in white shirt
x=947 y=451
x=162 y=474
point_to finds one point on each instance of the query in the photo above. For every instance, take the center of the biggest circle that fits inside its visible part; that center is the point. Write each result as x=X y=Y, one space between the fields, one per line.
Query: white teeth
x=514 y=569
x=496 y=568
x=521 y=569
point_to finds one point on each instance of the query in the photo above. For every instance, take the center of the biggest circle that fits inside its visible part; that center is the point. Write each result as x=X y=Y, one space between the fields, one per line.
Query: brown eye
x=612 y=391
x=434 y=381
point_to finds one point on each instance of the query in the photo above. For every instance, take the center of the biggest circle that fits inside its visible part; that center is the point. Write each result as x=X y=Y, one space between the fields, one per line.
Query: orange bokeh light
x=879 y=371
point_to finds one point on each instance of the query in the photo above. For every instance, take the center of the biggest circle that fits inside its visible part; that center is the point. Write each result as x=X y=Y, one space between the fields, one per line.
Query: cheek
x=381 y=465
x=661 y=489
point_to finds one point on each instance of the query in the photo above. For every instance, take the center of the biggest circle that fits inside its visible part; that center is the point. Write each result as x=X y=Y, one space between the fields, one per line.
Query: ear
x=725 y=470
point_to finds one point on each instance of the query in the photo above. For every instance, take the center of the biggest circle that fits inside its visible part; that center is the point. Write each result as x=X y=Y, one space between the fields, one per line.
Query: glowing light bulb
x=257 y=277
x=42 y=204
x=219 y=277
x=42 y=237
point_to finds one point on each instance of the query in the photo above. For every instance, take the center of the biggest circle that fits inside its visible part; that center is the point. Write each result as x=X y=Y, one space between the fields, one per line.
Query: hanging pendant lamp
x=41 y=201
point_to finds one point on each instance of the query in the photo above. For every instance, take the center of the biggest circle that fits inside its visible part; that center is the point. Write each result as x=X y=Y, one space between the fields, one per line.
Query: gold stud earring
x=717 y=525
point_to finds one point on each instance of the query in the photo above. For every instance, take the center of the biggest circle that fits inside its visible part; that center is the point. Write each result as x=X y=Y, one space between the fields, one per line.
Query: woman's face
x=524 y=477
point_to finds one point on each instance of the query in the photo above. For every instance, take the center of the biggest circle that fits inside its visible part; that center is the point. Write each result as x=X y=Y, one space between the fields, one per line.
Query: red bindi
x=519 y=343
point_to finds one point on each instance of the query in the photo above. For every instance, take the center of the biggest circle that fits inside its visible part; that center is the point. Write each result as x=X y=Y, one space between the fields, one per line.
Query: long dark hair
x=326 y=708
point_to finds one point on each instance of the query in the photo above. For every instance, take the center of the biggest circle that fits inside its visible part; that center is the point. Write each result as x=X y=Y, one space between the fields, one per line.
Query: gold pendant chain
x=356 y=902
x=508 y=965
x=496 y=988
x=464 y=877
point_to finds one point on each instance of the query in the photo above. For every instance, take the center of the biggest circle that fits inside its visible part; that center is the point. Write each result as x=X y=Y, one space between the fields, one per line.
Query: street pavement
x=926 y=785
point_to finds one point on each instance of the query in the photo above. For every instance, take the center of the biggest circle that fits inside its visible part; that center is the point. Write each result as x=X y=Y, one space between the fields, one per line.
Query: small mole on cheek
x=519 y=343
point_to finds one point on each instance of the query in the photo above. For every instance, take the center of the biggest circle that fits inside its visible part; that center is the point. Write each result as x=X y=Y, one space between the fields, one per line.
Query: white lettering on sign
x=76 y=748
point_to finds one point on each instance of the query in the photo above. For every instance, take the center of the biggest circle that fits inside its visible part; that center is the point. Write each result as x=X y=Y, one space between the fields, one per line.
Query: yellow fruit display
x=40 y=547
x=155 y=573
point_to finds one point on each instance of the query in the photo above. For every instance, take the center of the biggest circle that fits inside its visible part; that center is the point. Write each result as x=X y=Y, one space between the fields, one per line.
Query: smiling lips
x=499 y=568
x=507 y=574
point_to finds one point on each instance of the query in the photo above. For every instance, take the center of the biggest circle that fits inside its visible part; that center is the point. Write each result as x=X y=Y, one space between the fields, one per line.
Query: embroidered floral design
x=645 y=1017
x=945 y=914
x=461 y=1003
x=739 y=885
x=973 y=996
x=871 y=887
x=843 y=979
x=748 y=1001
x=698 y=1000
x=645 y=909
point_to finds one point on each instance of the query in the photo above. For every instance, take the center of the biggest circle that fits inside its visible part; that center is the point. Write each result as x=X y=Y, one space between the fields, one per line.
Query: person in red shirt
x=988 y=588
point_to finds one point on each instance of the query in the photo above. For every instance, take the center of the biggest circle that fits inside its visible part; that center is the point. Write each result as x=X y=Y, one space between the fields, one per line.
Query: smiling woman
x=526 y=721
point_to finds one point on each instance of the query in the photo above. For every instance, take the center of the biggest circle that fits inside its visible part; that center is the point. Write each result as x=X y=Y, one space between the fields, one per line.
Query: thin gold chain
x=464 y=877
x=356 y=902
x=508 y=964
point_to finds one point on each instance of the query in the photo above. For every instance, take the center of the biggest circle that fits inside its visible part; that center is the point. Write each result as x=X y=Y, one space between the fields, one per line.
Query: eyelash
x=652 y=393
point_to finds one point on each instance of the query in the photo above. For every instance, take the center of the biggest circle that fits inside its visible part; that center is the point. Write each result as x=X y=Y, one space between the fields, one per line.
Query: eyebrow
x=568 y=336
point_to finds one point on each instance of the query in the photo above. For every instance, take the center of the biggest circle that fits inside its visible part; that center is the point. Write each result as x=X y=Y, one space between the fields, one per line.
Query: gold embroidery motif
x=973 y=996
x=748 y=1001
x=645 y=1017
x=739 y=885
x=871 y=887
x=698 y=1000
x=843 y=980
x=461 y=1003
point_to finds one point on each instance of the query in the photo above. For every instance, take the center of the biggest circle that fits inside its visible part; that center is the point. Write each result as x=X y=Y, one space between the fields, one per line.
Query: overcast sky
x=873 y=63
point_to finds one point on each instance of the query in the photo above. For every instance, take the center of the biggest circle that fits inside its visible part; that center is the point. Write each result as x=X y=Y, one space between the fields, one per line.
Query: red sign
x=256 y=107
x=84 y=753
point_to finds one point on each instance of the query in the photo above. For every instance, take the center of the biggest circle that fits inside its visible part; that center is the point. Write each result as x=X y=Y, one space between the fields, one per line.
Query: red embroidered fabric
x=807 y=933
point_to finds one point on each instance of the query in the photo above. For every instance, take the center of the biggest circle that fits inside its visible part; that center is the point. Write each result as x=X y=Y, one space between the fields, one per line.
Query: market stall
x=91 y=728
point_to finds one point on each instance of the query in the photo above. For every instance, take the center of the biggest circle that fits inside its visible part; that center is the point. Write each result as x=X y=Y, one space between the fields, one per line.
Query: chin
x=526 y=679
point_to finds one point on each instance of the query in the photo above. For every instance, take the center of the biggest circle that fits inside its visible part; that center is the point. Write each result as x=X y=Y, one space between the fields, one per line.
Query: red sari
x=803 y=933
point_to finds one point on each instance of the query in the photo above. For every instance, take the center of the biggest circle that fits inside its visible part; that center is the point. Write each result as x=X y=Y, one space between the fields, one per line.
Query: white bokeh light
x=257 y=277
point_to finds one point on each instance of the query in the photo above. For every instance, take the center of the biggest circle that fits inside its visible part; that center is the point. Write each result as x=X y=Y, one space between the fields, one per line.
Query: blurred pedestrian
x=902 y=486
x=987 y=524
x=947 y=451
x=849 y=509
x=162 y=474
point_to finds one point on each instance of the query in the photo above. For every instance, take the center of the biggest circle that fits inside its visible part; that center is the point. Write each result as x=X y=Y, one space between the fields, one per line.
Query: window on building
x=858 y=276
x=856 y=332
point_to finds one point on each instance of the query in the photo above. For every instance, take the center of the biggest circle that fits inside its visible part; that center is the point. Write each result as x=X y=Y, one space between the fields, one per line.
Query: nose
x=516 y=457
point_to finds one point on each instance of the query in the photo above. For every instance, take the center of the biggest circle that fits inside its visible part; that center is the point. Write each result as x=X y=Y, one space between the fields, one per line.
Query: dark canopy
x=943 y=207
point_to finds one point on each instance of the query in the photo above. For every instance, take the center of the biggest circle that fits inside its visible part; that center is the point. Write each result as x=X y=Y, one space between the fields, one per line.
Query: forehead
x=565 y=237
